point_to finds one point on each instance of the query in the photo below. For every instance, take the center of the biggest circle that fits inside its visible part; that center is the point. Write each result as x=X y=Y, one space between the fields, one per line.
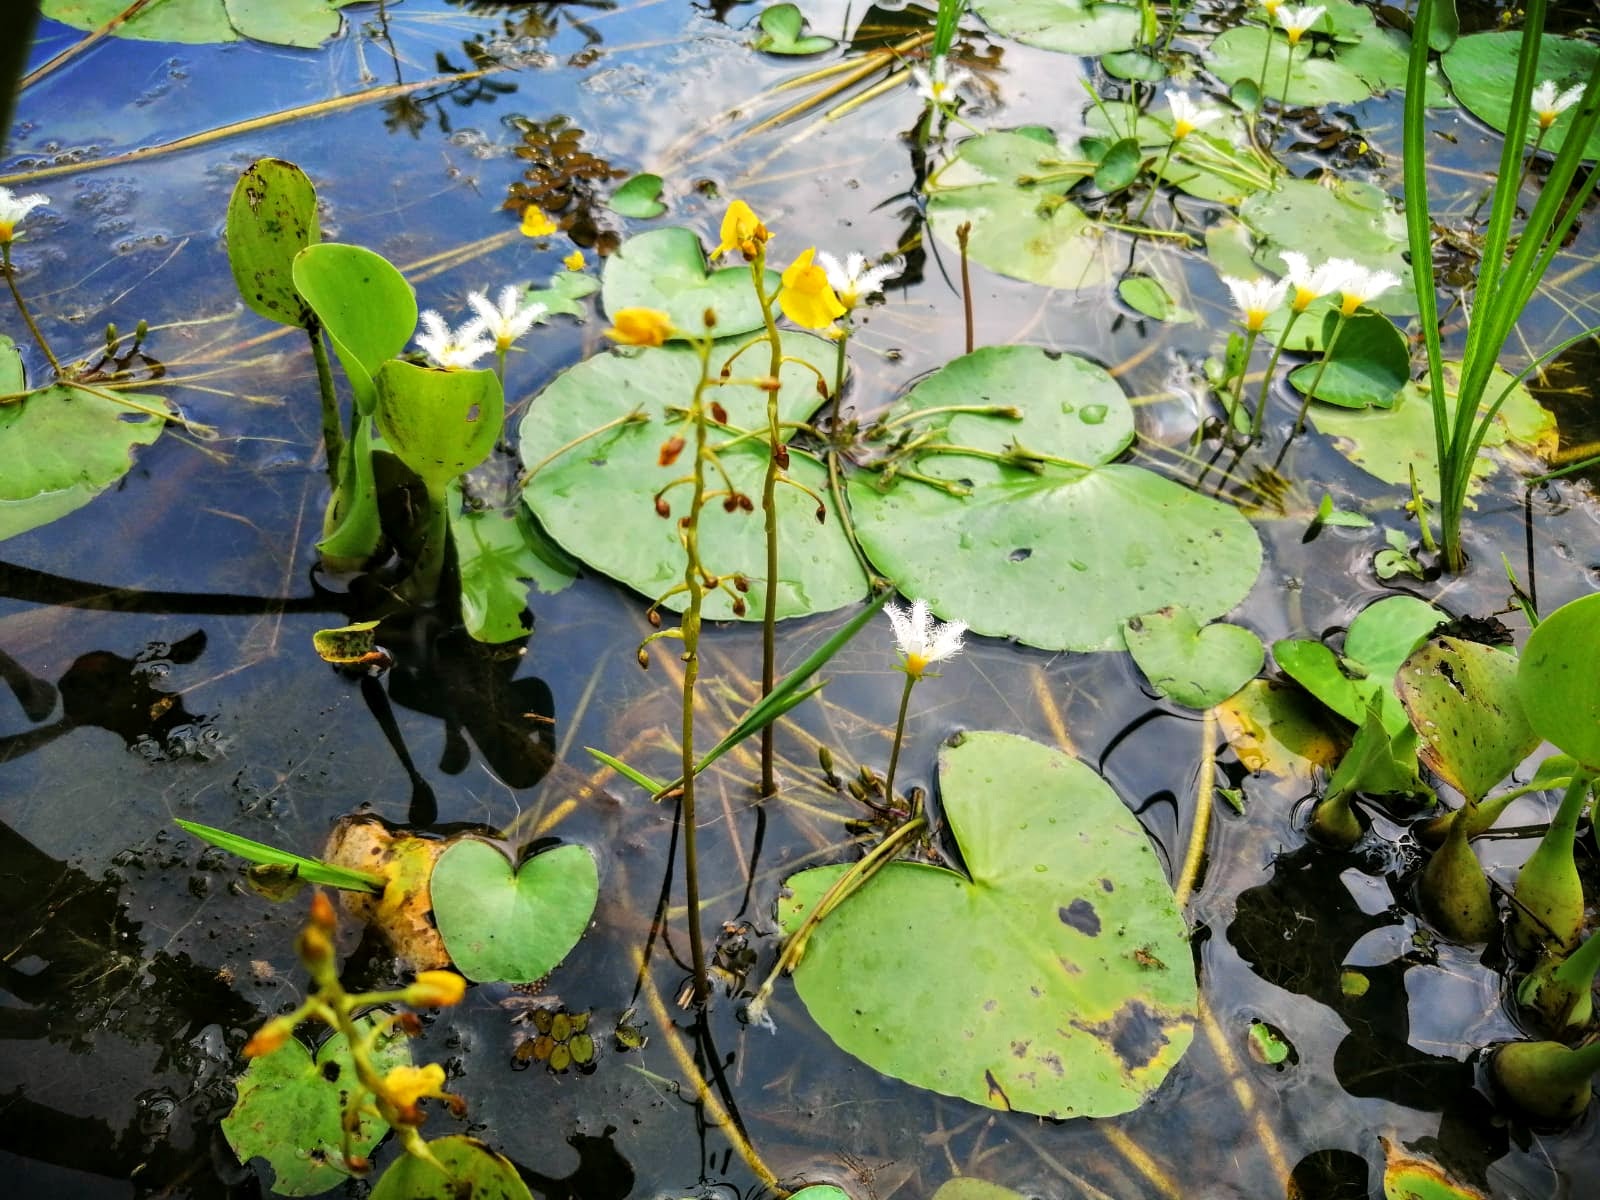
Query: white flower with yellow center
x=504 y=322
x=1358 y=285
x=1187 y=116
x=452 y=351
x=1256 y=299
x=1308 y=283
x=852 y=280
x=937 y=83
x=13 y=208
x=1297 y=20
x=1548 y=104
x=921 y=639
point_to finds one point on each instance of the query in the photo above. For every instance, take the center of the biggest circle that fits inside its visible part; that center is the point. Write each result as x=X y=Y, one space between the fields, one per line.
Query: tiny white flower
x=922 y=639
x=1548 y=104
x=1357 y=285
x=1308 y=283
x=937 y=83
x=853 y=281
x=1296 y=20
x=1256 y=298
x=1187 y=116
x=505 y=322
x=13 y=208
x=453 y=351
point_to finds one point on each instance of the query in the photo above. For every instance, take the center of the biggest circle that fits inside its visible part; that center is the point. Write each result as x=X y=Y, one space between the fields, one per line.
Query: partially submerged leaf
x=402 y=914
x=782 y=32
x=1054 y=978
x=1409 y=1178
x=1275 y=729
x=1196 y=667
x=566 y=289
x=1462 y=700
x=1151 y=297
x=348 y=644
x=639 y=197
x=499 y=553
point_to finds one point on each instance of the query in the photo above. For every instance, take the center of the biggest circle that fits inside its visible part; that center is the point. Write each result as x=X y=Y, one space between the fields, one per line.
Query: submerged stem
x=899 y=736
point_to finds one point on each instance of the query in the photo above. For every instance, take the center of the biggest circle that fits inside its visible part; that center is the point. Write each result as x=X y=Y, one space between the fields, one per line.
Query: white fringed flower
x=13 y=208
x=1548 y=104
x=1296 y=20
x=1256 y=298
x=1187 y=116
x=852 y=280
x=923 y=640
x=1308 y=283
x=1358 y=285
x=505 y=322
x=937 y=83
x=453 y=351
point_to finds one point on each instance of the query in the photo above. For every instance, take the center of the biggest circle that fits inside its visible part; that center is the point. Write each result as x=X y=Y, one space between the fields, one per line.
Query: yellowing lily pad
x=1053 y=977
x=403 y=913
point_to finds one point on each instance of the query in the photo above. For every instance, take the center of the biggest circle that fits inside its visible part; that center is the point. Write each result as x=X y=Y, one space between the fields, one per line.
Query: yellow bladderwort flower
x=807 y=298
x=640 y=327
x=573 y=261
x=743 y=231
x=436 y=989
x=404 y=1086
x=536 y=222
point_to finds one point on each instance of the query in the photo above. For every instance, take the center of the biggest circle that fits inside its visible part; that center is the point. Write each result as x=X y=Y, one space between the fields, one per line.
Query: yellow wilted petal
x=573 y=261
x=640 y=327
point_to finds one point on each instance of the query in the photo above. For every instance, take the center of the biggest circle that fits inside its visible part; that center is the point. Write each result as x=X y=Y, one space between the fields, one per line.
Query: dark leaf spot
x=1080 y=914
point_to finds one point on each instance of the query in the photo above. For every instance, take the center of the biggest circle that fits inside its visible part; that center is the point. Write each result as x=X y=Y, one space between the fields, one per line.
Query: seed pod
x=780 y=453
x=670 y=449
x=718 y=413
x=663 y=509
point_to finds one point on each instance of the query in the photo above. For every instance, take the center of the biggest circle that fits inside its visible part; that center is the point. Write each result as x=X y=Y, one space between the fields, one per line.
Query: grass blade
x=312 y=870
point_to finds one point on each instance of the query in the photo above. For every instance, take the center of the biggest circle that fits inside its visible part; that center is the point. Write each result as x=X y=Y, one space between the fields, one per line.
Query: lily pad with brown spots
x=1052 y=976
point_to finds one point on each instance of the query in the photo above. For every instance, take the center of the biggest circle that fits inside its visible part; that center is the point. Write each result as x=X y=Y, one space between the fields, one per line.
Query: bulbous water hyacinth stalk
x=922 y=641
x=452 y=351
x=1550 y=1082
x=13 y=209
x=1560 y=991
x=1256 y=300
x=1356 y=285
x=1547 y=902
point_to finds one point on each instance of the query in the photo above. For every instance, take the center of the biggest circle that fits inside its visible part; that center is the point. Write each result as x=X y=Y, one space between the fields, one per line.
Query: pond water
x=156 y=643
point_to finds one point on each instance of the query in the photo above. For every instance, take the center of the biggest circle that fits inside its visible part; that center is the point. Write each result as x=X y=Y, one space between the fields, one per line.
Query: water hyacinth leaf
x=1061 y=555
x=1391 y=443
x=272 y=216
x=1195 y=667
x=1385 y=632
x=639 y=197
x=597 y=500
x=366 y=306
x=1370 y=363
x=1482 y=68
x=666 y=269
x=499 y=552
x=502 y=923
x=782 y=32
x=1055 y=974
x=1350 y=219
x=62 y=447
x=1316 y=668
x=470 y=1169
x=1557 y=681
x=1027 y=230
x=1148 y=295
x=1463 y=703
x=1276 y=729
x=566 y=289
x=289 y=1108
x=439 y=423
x=1069 y=26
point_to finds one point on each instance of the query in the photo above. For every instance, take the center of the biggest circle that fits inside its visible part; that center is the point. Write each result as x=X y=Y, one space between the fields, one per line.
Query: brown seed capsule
x=644 y=659
x=718 y=413
x=654 y=618
x=740 y=582
x=822 y=389
x=730 y=504
x=780 y=454
x=738 y=606
x=745 y=503
x=822 y=515
x=709 y=317
x=663 y=509
x=708 y=579
x=670 y=449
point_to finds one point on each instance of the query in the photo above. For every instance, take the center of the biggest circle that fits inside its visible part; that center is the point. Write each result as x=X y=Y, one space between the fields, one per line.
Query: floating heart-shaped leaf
x=470 y=1169
x=666 y=269
x=1069 y=26
x=289 y=1107
x=1193 y=666
x=1054 y=977
x=501 y=923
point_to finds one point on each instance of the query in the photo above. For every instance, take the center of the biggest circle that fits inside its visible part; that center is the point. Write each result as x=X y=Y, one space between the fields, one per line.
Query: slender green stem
x=1266 y=58
x=1322 y=368
x=899 y=736
x=636 y=417
x=1259 y=416
x=33 y=328
x=1155 y=182
x=1527 y=164
x=1288 y=62
x=332 y=423
x=1244 y=369
x=769 y=510
x=838 y=377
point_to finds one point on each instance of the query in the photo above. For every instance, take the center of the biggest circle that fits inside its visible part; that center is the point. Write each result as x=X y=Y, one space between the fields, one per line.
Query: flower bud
x=739 y=607
x=745 y=503
x=436 y=989
x=314 y=947
x=670 y=449
x=322 y=914
x=663 y=509
x=718 y=413
x=269 y=1037
x=780 y=455
x=731 y=504
x=709 y=317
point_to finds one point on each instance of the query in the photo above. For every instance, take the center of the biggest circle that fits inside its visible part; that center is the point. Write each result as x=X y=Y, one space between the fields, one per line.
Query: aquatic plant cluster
x=726 y=460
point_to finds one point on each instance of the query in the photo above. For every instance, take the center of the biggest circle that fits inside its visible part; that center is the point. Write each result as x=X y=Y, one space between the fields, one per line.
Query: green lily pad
x=783 y=32
x=1268 y=1045
x=820 y=1191
x=1190 y=665
x=470 y=1169
x=566 y=289
x=439 y=423
x=1150 y=296
x=499 y=552
x=639 y=197
x=1012 y=188
x=507 y=924
x=965 y=1187
x=1069 y=26
x=303 y=23
x=1371 y=362
x=597 y=500
x=1407 y=1178
x=1349 y=219
x=1314 y=78
x=1055 y=977
x=289 y=1106
x=1463 y=703
x=1391 y=443
x=1557 y=682
x=272 y=216
x=666 y=269
x=1482 y=68
x=1060 y=556
x=62 y=446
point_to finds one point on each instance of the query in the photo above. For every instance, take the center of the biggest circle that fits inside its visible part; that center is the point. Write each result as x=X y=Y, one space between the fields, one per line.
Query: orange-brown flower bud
x=269 y=1037
x=322 y=914
x=670 y=449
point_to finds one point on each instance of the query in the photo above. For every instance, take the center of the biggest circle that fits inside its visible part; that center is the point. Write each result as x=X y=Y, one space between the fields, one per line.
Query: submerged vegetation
x=1006 y=924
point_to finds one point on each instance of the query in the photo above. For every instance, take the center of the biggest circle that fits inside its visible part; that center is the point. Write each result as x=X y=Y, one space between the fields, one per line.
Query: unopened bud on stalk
x=663 y=509
x=780 y=454
x=670 y=449
x=436 y=989
x=740 y=581
x=112 y=337
x=322 y=914
x=709 y=317
x=718 y=413
x=141 y=331
x=739 y=607
x=269 y=1037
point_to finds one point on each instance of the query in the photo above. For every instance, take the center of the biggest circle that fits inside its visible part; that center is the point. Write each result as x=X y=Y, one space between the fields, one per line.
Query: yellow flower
x=807 y=298
x=573 y=261
x=742 y=230
x=640 y=327
x=436 y=989
x=535 y=222
x=404 y=1086
x=269 y=1037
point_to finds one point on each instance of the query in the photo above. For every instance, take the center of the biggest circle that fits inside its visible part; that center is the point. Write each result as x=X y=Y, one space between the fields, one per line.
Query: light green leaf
x=1483 y=69
x=271 y=218
x=639 y=197
x=499 y=552
x=781 y=32
x=470 y=1169
x=366 y=306
x=1349 y=219
x=1195 y=667
x=1070 y=26
x=565 y=290
x=304 y=23
x=1055 y=975
x=1557 y=681
x=500 y=923
x=666 y=269
x=1062 y=556
x=1462 y=700
x=439 y=423
x=1371 y=362
x=1150 y=296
